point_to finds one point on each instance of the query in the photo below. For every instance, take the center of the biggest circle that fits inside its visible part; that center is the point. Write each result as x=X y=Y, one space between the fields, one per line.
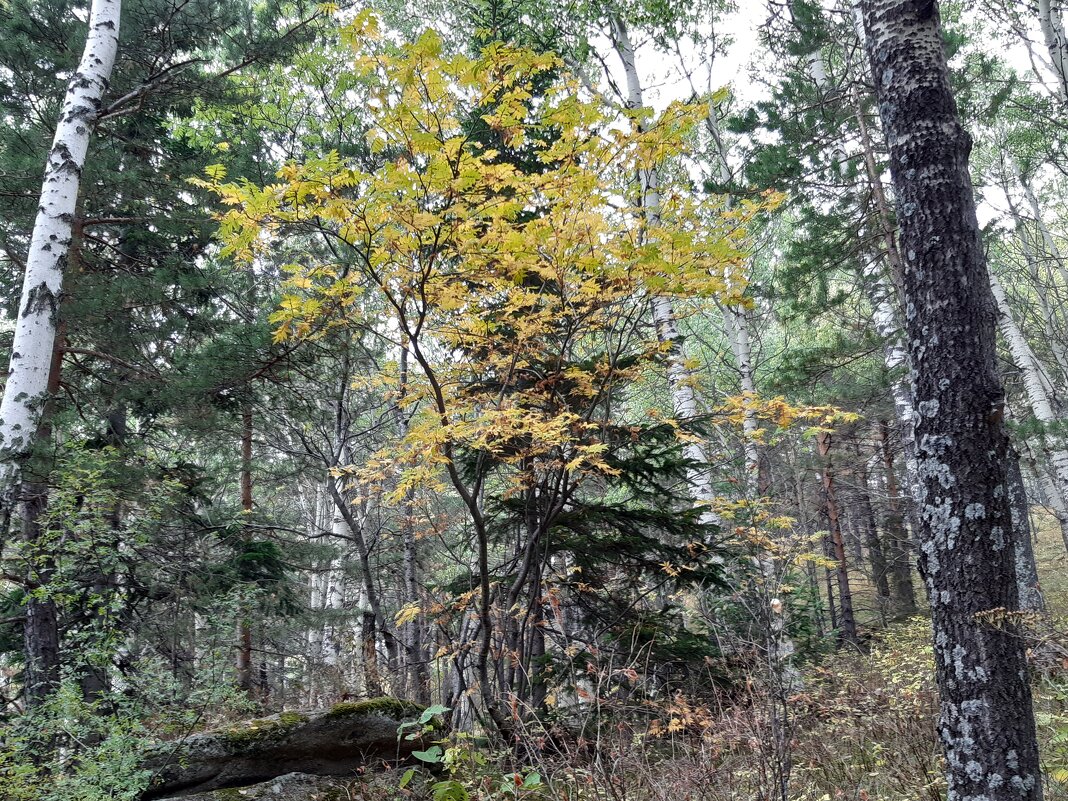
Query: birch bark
x=681 y=380
x=1037 y=383
x=26 y=390
x=1051 y=20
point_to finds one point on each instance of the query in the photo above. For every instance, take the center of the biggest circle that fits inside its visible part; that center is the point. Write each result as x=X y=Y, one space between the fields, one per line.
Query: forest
x=493 y=400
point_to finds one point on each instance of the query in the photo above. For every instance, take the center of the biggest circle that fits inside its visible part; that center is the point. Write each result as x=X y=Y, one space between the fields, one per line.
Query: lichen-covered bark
x=26 y=390
x=962 y=448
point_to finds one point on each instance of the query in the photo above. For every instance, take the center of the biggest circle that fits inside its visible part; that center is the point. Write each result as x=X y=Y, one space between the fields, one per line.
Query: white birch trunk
x=35 y=327
x=681 y=380
x=736 y=323
x=1050 y=325
x=1037 y=384
x=780 y=646
x=1051 y=20
x=334 y=600
x=895 y=358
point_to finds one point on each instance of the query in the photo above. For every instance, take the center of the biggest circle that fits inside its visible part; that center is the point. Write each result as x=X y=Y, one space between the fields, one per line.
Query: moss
x=258 y=731
x=292 y=718
x=385 y=706
x=232 y=794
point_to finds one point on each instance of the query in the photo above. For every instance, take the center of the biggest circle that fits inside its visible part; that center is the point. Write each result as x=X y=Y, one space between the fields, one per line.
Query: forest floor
x=864 y=723
x=861 y=728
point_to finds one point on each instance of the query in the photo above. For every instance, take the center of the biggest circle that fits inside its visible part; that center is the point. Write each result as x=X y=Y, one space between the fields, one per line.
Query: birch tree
x=681 y=380
x=26 y=389
x=1051 y=20
x=987 y=724
x=1040 y=390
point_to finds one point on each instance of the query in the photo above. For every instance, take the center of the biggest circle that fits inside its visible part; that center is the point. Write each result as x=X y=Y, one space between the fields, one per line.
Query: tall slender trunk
x=244 y=625
x=333 y=605
x=1051 y=21
x=830 y=497
x=966 y=529
x=900 y=546
x=26 y=389
x=1038 y=385
x=373 y=620
x=1053 y=317
x=886 y=301
x=865 y=512
x=40 y=634
x=418 y=660
x=1029 y=590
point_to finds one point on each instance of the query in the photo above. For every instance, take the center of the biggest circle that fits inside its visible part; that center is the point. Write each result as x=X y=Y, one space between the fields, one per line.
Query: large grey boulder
x=334 y=742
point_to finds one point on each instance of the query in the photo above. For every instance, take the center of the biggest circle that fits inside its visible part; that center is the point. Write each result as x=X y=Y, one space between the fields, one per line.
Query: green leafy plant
x=472 y=772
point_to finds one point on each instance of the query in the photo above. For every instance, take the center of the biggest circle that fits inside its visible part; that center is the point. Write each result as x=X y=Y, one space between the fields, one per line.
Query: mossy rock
x=389 y=707
x=333 y=742
x=258 y=731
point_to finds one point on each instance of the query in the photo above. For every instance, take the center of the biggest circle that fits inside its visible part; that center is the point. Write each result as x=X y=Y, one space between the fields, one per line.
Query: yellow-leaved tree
x=493 y=218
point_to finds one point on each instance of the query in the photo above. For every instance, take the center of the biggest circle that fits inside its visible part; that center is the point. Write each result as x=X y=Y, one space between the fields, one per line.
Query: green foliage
x=101 y=760
x=473 y=773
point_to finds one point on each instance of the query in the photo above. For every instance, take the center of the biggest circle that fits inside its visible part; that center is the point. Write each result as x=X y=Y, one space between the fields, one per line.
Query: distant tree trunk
x=829 y=576
x=412 y=632
x=880 y=571
x=244 y=626
x=966 y=529
x=26 y=389
x=1051 y=497
x=40 y=633
x=900 y=546
x=1029 y=590
x=1038 y=267
x=333 y=605
x=845 y=594
x=373 y=620
x=1039 y=388
x=885 y=298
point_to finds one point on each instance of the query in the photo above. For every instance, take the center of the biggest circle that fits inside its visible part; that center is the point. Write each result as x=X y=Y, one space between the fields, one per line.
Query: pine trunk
x=243 y=664
x=987 y=723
